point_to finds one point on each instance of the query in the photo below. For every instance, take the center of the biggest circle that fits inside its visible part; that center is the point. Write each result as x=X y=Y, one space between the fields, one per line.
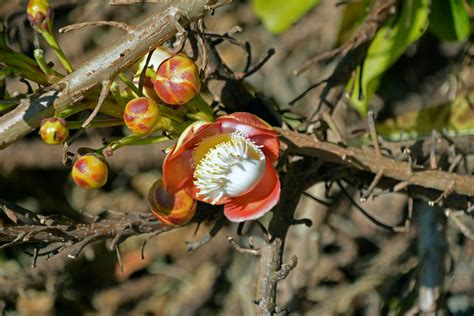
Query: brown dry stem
x=367 y=160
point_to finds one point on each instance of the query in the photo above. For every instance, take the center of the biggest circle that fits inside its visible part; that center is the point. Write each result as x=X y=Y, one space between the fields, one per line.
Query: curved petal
x=178 y=164
x=260 y=132
x=271 y=145
x=178 y=170
x=229 y=125
x=186 y=136
x=247 y=119
x=258 y=201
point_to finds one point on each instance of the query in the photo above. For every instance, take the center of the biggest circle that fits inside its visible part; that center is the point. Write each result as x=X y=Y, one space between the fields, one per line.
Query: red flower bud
x=90 y=171
x=40 y=15
x=141 y=115
x=53 y=130
x=177 y=80
x=172 y=209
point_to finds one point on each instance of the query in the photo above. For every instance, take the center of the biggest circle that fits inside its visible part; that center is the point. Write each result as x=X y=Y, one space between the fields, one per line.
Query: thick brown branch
x=145 y=37
x=271 y=252
x=126 y=225
x=366 y=159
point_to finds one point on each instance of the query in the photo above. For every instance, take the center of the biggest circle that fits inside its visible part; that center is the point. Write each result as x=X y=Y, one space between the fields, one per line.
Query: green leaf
x=453 y=118
x=449 y=20
x=278 y=15
x=390 y=42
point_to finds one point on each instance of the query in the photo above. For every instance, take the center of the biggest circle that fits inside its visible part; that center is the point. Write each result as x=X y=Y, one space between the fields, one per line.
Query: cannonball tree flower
x=228 y=162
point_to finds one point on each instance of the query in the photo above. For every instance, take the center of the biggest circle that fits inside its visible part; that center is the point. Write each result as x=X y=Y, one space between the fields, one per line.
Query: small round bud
x=171 y=209
x=40 y=15
x=53 y=130
x=141 y=115
x=177 y=80
x=90 y=171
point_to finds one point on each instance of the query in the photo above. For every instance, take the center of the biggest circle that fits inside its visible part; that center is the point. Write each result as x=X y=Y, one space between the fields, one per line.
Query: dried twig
x=271 y=251
x=120 y=25
x=453 y=216
x=220 y=222
x=254 y=252
x=78 y=232
x=379 y=13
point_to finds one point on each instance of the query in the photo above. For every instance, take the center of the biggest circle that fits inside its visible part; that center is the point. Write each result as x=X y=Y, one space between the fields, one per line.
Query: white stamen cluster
x=230 y=169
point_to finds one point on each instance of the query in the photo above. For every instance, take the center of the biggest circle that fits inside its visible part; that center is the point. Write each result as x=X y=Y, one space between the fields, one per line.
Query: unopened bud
x=40 y=15
x=177 y=80
x=172 y=209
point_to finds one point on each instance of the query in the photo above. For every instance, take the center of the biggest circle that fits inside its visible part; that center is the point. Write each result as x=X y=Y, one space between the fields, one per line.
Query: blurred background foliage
x=417 y=77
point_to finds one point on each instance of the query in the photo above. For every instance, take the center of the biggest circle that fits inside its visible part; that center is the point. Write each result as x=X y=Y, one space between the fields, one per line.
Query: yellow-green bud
x=40 y=15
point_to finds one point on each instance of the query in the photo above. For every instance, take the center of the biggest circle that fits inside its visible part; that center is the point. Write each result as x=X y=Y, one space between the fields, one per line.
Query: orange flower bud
x=40 y=15
x=141 y=115
x=177 y=80
x=90 y=171
x=171 y=209
x=53 y=130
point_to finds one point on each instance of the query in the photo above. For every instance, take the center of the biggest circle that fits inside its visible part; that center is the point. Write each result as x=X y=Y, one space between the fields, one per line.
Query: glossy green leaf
x=454 y=118
x=278 y=15
x=390 y=42
x=449 y=20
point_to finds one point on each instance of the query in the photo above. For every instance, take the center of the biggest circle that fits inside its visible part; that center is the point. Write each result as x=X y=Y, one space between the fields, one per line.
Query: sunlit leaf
x=449 y=20
x=278 y=15
x=390 y=42
x=354 y=15
x=454 y=118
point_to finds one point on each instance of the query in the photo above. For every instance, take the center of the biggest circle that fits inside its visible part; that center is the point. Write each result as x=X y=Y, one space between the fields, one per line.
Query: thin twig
x=361 y=209
x=254 y=252
x=141 y=81
x=318 y=200
x=372 y=186
x=453 y=216
x=120 y=25
x=119 y=258
x=373 y=133
x=269 y=54
x=379 y=13
x=194 y=245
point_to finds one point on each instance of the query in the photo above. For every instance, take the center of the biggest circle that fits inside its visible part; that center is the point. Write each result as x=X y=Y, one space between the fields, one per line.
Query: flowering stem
x=6 y=104
x=26 y=67
x=134 y=140
x=199 y=105
x=168 y=112
x=42 y=63
x=95 y=123
x=116 y=93
x=51 y=40
x=108 y=108
x=130 y=84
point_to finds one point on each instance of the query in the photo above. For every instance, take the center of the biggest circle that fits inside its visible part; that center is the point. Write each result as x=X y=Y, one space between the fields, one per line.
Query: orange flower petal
x=258 y=201
x=178 y=170
x=257 y=130
x=247 y=119
x=178 y=164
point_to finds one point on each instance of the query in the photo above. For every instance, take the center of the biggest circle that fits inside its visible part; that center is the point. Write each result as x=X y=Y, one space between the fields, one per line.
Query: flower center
x=231 y=168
